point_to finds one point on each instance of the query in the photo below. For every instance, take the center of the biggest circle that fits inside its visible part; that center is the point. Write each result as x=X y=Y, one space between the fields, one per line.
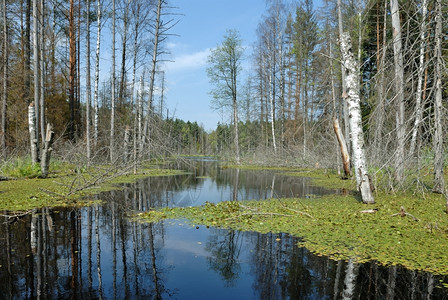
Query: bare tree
x=42 y=69
x=353 y=101
x=72 y=74
x=160 y=32
x=439 y=180
x=112 y=109
x=36 y=73
x=418 y=94
x=5 y=62
x=97 y=74
x=88 y=85
x=399 y=90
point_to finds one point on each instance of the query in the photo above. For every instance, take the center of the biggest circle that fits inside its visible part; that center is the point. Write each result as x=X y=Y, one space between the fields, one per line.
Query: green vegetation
x=66 y=185
x=410 y=229
x=336 y=226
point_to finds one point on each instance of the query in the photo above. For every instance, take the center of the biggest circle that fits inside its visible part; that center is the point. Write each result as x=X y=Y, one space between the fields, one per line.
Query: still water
x=98 y=252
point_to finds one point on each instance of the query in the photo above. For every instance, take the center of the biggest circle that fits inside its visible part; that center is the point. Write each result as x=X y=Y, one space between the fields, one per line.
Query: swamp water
x=98 y=252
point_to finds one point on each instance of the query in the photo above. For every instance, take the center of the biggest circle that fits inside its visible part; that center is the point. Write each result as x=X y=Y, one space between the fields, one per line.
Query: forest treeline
x=286 y=101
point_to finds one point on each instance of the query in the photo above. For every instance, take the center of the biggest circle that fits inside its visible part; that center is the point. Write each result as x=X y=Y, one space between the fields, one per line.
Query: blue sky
x=201 y=28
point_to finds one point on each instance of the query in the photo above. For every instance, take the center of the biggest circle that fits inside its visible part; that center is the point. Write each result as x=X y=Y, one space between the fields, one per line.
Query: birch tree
x=223 y=72
x=353 y=101
x=420 y=72
x=97 y=73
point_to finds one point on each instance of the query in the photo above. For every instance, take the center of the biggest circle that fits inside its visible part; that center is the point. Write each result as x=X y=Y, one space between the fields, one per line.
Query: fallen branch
x=16 y=217
x=403 y=213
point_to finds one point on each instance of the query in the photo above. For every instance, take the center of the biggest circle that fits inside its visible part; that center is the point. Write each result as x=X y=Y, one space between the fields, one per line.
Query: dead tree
x=354 y=108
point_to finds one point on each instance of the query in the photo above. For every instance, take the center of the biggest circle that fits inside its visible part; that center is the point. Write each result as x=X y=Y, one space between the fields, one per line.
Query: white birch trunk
x=353 y=101
x=32 y=130
x=97 y=75
x=140 y=115
x=344 y=88
x=418 y=94
x=399 y=84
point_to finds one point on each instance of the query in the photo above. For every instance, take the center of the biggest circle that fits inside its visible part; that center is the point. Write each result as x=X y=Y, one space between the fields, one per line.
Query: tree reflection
x=224 y=247
x=97 y=252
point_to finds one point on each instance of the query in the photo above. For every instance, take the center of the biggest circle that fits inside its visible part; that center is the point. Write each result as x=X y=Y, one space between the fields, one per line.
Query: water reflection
x=98 y=253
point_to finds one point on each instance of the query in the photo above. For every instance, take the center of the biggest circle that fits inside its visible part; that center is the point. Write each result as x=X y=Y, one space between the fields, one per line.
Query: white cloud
x=189 y=61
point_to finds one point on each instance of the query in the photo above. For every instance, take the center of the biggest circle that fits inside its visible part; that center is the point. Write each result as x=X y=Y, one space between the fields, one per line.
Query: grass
x=66 y=184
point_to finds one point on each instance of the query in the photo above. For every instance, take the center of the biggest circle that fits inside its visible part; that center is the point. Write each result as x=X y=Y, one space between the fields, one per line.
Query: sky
x=202 y=27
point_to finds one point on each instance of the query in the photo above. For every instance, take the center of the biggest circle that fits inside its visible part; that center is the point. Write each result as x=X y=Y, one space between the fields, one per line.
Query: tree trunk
x=112 y=109
x=272 y=108
x=72 y=71
x=32 y=129
x=36 y=70
x=97 y=75
x=343 y=146
x=439 y=181
x=27 y=65
x=353 y=101
x=418 y=94
x=155 y=54
x=399 y=90
x=46 y=154
x=88 y=85
x=122 y=91
x=127 y=143
x=380 y=110
x=344 y=84
x=5 y=81
x=42 y=70
x=235 y=121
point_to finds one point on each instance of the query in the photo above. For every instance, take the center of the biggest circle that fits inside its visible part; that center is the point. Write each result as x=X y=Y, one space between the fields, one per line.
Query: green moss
x=335 y=226
x=66 y=187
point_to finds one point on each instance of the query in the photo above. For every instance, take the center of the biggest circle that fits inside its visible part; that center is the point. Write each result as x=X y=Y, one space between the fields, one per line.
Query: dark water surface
x=97 y=252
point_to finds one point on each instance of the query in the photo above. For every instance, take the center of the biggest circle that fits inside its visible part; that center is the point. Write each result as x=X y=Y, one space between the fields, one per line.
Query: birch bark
x=32 y=130
x=97 y=75
x=418 y=94
x=354 y=108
